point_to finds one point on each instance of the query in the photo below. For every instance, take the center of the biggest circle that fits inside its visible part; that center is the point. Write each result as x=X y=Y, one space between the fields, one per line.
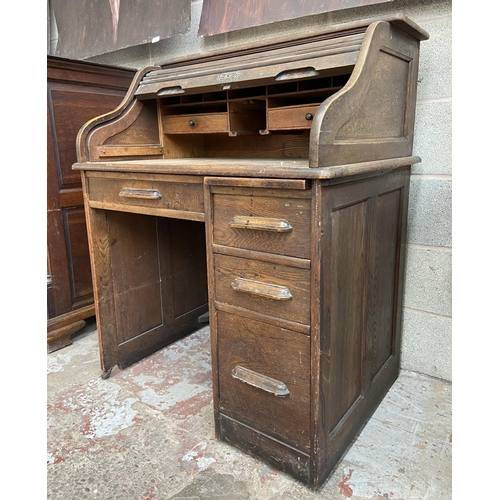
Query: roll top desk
x=268 y=186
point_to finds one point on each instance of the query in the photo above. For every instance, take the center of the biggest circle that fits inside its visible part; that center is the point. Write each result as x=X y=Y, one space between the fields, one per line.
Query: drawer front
x=264 y=378
x=196 y=124
x=293 y=117
x=146 y=193
x=273 y=224
x=264 y=287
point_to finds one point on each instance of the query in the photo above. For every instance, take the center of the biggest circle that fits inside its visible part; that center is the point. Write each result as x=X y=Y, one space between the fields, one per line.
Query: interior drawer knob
x=309 y=116
x=192 y=123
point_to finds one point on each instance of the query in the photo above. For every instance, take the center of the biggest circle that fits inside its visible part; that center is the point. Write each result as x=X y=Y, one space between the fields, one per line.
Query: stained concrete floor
x=147 y=433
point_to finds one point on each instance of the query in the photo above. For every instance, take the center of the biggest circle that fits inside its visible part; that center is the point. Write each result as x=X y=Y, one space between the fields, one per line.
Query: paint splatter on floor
x=147 y=433
x=345 y=489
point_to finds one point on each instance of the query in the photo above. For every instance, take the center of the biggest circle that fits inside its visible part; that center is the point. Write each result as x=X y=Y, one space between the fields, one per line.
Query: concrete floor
x=147 y=433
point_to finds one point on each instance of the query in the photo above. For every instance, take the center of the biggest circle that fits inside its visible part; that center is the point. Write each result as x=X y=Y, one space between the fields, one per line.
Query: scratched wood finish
x=304 y=229
x=355 y=322
x=229 y=203
x=361 y=284
x=278 y=455
x=363 y=78
x=77 y=92
x=385 y=79
x=278 y=146
x=330 y=56
x=196 y=123
x=152 y=273
x=273 y=352
x=295 y=307
x=170 y=195
x=138 y=125
x=293 y=117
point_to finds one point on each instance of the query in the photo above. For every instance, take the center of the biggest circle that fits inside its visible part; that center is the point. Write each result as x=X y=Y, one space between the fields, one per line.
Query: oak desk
x=268 y=186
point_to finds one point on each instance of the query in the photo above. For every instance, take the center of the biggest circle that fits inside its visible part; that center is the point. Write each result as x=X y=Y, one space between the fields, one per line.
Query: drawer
x=291 y=117
x=264 y=378
x=273 y=223
x=201 y=123
x=147 y=194
x=264 y=287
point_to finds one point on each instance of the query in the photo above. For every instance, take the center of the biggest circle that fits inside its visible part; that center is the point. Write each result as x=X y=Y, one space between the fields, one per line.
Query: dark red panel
x=88 y=28
x=221 y=16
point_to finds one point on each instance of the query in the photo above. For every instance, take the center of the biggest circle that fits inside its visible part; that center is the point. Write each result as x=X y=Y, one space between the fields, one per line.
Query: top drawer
x=265 y=220
x=166 y=195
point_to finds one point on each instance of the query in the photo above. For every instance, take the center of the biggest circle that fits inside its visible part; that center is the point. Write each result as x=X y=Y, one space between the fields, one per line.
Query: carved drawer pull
x=268 y=290
x=294 y=74
x=260 y=381
x=144 y=194
x=261 y=224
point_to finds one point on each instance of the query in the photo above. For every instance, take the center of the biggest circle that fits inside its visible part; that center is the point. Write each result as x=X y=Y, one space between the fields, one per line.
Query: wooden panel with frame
x=77 y=92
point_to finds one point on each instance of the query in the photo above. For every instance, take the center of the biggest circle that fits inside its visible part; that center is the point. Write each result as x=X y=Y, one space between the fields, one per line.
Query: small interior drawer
x=275 y=290
x=201 y=123
x=264 y=378
x=263 y=220
x=145 y=193
x=291 y=117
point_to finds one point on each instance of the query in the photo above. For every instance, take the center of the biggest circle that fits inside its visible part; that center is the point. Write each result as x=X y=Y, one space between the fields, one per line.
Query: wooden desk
x=269 y=187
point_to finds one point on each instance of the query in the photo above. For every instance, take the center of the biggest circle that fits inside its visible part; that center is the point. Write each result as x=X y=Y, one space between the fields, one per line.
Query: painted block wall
x=427 y=321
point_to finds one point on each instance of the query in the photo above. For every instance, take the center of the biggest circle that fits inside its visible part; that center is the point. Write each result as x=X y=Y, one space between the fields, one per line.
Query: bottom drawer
x=264 y=378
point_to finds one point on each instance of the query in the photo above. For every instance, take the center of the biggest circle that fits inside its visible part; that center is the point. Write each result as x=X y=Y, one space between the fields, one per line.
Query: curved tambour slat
x=252 y=66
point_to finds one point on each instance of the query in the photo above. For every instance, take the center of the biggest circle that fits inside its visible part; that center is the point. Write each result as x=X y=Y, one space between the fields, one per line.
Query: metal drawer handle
x=260 y=381
x=192 y=123
x=260 y=223
x=309 y=116
x=267 y=290
x=144 y=194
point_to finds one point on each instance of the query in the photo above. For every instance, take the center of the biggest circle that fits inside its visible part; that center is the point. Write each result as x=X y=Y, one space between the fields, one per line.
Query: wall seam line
x=441 y=177
x=430 y=100
x=427 y=313
x=421 y=246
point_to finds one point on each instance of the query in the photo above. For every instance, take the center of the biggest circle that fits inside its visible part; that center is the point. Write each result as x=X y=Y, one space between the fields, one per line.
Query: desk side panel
x=372 y=117
x=362 y=261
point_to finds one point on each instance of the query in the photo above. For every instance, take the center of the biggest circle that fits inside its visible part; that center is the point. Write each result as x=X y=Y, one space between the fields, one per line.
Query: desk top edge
x=241 y=167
